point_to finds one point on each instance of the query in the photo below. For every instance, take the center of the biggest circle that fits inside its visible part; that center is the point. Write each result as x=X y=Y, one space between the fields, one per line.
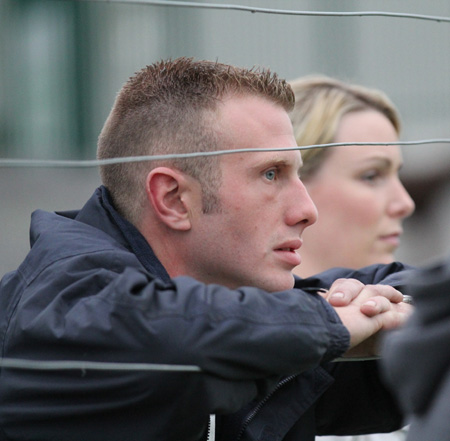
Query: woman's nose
x=401 y=204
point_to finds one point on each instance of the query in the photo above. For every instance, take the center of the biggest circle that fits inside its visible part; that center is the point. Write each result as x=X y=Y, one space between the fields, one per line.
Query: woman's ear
x=166 y=190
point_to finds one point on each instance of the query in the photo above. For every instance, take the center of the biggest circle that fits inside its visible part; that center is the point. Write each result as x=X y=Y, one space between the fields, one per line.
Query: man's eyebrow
x=276 y=161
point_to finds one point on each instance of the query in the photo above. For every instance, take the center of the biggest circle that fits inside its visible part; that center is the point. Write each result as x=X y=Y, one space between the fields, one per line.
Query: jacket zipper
x=261 y=404
x=211 y=428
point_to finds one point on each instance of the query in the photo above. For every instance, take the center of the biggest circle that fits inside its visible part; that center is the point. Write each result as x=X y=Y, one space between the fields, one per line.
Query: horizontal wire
x=82 y=365
x=278 y=11
x=54 y=163
x=17 y=363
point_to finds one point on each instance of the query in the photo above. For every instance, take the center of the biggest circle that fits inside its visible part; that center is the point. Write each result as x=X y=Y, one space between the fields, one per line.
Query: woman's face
x=359 y=197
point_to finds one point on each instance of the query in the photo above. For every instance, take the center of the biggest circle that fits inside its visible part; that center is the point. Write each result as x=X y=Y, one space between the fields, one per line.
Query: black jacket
x=417 y=357
x=91 y=289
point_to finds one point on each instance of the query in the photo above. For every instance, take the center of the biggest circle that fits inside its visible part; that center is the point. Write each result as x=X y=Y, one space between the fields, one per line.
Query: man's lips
x=290 y=245
x=288 y=252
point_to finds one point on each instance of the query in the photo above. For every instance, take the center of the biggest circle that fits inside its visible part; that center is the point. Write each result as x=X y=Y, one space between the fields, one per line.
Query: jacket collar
x=99 y=212
x=134 y=238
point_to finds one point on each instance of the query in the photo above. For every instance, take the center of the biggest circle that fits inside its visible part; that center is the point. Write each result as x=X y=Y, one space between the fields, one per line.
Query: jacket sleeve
x=239 y=334
x=74 y=310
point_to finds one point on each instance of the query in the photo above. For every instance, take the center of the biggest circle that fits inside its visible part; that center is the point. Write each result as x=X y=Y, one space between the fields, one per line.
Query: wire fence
x=4 y=162
x=83 y=366
x=254 y=10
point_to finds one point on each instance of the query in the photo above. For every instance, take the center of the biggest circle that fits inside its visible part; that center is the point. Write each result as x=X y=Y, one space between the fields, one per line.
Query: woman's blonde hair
x=320 y=103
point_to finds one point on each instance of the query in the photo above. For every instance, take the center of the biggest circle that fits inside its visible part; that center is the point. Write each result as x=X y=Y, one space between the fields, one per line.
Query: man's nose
x=302 y=209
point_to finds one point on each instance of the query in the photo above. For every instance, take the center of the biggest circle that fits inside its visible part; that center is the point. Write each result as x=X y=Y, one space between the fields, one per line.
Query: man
x=108 y=283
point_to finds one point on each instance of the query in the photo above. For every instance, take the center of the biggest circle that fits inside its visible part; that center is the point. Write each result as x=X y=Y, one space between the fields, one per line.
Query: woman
x=357 y=190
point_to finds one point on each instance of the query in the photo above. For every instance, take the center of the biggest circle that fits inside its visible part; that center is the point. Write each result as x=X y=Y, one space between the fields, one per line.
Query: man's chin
x=280 y=283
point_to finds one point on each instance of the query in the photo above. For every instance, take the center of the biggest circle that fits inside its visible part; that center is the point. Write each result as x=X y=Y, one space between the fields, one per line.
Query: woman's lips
x=392 y=239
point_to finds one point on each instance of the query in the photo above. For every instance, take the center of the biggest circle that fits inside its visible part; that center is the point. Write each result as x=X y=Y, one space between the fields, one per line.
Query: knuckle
x=352 y=284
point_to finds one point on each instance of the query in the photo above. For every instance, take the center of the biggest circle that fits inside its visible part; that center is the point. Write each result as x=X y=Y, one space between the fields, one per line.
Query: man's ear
x=167 y=190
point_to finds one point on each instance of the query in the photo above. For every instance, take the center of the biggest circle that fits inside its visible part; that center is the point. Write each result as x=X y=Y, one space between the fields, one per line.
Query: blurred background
x=62 y=63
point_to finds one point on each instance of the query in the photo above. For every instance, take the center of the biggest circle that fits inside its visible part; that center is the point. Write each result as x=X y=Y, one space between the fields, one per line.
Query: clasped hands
x=366 y=311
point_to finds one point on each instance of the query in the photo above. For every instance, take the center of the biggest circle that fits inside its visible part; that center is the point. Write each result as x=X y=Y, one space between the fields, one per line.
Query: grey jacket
x=416 y=359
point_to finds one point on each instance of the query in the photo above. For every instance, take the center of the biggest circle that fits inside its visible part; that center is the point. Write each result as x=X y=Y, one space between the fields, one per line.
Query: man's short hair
x=170 y=107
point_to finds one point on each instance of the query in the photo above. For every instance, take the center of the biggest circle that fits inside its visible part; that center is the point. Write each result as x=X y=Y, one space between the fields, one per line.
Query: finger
x=375 y=305
x=391 y=319
x=389 y=314
x=343 y=291
x=366 y=293
x=389 y=292
x=405 y=308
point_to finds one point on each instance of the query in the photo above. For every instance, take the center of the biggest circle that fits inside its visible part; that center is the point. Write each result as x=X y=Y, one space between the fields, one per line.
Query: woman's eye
x=270 y=175
x=370 y=176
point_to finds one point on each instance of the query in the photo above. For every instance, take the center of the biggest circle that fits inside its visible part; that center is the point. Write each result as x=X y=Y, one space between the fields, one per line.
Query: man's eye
x=270 y=174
